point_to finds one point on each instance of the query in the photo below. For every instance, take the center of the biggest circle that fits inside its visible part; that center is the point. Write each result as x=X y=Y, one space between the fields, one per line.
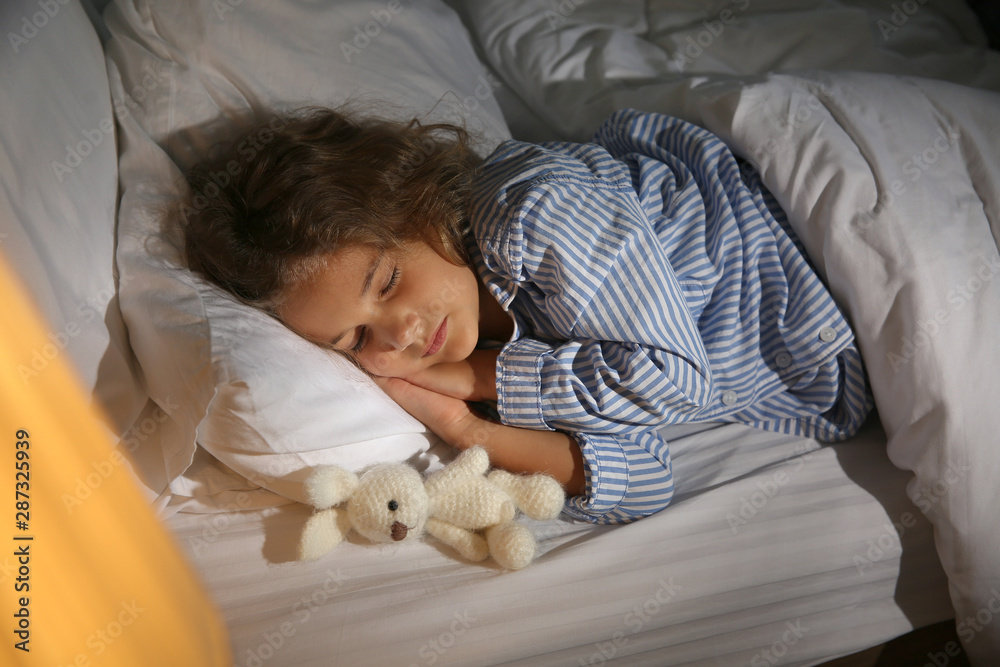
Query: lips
x=438 y=340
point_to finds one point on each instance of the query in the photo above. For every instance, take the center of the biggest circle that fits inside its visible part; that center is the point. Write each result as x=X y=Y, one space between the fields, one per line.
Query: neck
x=494 y=323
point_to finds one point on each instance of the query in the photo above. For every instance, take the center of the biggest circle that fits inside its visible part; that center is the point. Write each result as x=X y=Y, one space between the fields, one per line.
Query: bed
x=874 y=124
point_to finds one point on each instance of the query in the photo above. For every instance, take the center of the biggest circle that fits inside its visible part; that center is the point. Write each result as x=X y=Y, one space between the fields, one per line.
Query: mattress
x=777 y=550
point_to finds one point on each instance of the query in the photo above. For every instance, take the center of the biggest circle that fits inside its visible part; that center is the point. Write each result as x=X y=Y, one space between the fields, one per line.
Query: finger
x=398 y=389
x=453 y=379
x=429 y=378
x=382 y=382
x=414 y=399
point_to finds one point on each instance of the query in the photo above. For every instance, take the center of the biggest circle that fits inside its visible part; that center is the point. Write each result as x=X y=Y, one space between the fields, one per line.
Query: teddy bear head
x=389 y=504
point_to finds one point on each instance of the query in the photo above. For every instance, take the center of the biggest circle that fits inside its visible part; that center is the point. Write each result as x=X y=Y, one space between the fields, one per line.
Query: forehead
x=320 y=306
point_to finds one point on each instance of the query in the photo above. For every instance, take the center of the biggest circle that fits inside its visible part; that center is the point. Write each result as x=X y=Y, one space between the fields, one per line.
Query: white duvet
x=894 y=187
x=892 y=182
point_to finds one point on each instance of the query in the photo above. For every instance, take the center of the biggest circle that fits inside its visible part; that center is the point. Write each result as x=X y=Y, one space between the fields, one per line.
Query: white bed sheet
x=777 y=551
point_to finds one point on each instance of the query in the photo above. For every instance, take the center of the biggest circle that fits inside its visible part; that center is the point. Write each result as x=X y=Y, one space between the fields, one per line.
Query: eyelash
x=363 y=338
x=362 y=341
x=392 y=283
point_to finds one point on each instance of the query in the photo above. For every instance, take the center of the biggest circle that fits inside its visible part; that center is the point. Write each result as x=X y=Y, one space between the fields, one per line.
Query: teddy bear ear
x=327 y=486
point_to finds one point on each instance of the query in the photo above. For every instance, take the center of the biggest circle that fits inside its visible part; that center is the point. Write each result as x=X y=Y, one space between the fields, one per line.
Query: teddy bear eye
x=393 y=506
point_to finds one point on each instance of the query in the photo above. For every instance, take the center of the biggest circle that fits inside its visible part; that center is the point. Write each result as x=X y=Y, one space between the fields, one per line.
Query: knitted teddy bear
x=460 y=505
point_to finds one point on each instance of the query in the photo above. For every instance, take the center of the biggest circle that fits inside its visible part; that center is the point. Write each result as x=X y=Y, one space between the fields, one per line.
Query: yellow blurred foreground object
x=87 y=579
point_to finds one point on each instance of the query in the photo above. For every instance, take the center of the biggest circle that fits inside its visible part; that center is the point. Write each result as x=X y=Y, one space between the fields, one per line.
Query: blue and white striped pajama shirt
x=652 y=282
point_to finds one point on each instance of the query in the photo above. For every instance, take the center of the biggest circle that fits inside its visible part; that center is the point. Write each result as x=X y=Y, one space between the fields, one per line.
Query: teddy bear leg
x=538 y=496
x=470 y=545
x=511 y=545
x=323 y=531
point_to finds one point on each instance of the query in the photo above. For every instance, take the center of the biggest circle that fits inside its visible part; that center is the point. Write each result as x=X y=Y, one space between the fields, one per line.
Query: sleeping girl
x=589 y=294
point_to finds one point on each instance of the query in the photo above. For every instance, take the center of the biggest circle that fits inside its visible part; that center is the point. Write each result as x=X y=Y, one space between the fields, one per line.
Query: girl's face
x=396 y=312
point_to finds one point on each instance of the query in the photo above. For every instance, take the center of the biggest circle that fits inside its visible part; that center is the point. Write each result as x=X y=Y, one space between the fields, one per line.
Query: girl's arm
x=514 y=449
x=611 y=478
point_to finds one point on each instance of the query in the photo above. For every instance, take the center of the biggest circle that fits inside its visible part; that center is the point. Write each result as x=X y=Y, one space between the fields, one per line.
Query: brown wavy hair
x=294 y=189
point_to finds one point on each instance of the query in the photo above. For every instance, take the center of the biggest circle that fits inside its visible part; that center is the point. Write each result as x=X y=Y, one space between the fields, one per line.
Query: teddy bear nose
x=399 y=531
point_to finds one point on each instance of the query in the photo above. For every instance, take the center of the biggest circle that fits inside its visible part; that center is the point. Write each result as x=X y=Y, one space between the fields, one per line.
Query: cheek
x=445 y=298
x=436 y=308
x=455 y=288
x=379 y=363
x=463 y=340
x=387 y=364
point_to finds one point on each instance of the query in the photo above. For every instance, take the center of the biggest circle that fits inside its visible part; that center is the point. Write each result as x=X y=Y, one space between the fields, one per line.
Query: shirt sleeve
x=628 y=477
x=575 y=242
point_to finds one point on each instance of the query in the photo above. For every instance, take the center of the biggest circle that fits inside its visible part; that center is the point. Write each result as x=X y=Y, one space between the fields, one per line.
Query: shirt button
x=827 y=334
x=783 y=359
x=729 y=397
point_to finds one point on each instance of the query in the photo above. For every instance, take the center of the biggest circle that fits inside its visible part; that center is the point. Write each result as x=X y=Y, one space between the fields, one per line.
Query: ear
x=327 y=486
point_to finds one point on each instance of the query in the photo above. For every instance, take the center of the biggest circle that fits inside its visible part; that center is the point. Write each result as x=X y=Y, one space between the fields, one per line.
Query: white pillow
x=258 y=398
x=58 y=186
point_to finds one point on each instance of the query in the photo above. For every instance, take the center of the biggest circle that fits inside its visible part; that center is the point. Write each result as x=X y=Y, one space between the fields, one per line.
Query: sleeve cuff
x=519 y=384
x=606 y=476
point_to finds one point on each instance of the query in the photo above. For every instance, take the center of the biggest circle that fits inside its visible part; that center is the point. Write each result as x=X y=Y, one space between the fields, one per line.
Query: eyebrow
x=365 y=286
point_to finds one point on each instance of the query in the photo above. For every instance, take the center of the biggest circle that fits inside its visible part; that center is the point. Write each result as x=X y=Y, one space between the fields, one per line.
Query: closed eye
x=393 y=281
x=362 y=341
x=383 y=293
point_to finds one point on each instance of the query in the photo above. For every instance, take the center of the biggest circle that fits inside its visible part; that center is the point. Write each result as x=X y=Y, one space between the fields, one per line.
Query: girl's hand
x=449 y=417
x=472 y=379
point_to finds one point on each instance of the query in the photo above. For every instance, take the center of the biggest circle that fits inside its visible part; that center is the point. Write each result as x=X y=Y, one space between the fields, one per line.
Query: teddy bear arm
x=473 y=462
x=323 y=531
x=329 y=485
x=470 y=545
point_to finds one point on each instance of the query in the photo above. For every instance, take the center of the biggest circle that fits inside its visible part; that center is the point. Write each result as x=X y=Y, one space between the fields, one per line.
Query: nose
x=400 y=330
x=399 y=531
